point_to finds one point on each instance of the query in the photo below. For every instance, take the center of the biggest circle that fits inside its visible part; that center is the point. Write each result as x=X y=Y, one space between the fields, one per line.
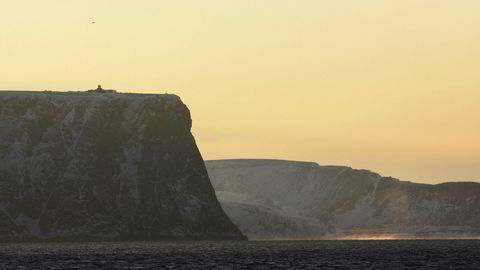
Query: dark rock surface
x=80 y=166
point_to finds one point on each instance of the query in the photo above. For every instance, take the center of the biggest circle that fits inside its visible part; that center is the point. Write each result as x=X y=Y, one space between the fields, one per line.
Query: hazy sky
x=388 y=85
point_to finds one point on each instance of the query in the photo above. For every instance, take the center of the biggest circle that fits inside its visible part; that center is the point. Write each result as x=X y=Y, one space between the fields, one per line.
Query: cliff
x=81 y=166
x=275 y=199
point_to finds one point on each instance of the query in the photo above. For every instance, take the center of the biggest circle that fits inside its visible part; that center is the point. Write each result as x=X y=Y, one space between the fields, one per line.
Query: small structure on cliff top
x=101 y=90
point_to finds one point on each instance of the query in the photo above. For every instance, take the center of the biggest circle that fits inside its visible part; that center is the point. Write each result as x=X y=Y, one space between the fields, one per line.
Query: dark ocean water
x=410 y=254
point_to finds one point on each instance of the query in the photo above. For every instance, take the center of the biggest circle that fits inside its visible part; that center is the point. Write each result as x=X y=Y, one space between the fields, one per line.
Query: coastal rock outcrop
x=87 y=166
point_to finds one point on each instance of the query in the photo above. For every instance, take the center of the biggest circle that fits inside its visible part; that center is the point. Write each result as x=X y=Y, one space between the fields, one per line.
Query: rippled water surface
x=412 y=254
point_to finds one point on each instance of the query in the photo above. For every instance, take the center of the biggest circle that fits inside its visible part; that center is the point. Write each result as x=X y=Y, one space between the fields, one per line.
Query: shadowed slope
x=103 y=166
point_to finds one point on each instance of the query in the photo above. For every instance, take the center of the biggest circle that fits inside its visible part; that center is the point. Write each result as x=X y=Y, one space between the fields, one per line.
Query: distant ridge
x=279 y=199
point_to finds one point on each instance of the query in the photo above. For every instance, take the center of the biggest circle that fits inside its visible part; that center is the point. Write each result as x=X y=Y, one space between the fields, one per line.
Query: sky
x=390 y=86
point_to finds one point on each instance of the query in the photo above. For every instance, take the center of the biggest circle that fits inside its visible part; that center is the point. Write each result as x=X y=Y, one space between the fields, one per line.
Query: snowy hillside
x=275 y=199
x=103 y=166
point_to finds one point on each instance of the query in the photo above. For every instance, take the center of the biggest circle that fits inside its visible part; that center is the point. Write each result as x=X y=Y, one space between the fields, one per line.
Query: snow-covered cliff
x=275 y=199
x=103 y=166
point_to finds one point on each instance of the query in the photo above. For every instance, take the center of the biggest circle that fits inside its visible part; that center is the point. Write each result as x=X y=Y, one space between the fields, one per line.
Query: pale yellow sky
x=391 y=86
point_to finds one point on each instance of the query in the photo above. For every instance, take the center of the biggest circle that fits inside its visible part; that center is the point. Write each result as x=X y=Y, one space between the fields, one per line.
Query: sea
x=335 y=254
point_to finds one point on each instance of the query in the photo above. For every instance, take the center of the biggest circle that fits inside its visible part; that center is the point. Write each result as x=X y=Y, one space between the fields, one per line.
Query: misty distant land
x=107 y=166
x=292 y=200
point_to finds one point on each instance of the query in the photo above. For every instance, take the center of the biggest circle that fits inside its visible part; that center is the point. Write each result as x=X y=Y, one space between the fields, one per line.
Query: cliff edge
x=87 y=166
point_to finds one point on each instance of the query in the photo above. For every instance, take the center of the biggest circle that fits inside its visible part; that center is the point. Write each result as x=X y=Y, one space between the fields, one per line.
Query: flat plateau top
x=7 y=94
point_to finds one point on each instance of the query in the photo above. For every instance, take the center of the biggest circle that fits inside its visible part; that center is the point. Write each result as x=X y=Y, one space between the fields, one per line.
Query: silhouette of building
x=101 y=90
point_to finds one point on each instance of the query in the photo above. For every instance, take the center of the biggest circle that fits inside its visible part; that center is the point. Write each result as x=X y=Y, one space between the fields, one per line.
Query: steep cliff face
x=103 y=166
x=274 y=199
